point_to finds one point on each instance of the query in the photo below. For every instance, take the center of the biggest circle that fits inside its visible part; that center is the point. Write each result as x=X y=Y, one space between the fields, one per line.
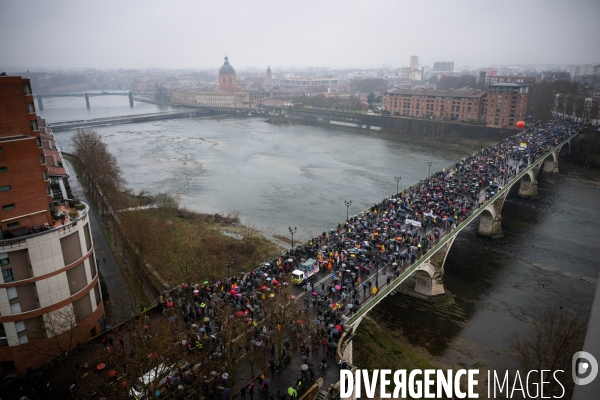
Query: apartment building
x=49 y=289
x=462 y=104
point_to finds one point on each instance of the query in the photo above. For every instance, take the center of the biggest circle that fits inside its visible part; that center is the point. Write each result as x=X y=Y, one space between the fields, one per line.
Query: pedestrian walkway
x=121 y=305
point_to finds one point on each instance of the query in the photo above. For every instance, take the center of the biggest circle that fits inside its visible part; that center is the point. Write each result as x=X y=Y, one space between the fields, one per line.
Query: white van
x=139 y=389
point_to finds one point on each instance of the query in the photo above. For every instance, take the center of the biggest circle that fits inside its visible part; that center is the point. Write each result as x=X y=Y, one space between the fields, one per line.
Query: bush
x=73 y=215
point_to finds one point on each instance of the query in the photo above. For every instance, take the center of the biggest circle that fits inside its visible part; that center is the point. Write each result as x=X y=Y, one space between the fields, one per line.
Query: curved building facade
x=49 y=290
x=50 y=297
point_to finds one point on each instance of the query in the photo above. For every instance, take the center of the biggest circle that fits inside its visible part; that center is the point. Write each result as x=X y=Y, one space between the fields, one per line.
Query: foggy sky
x=300 y=33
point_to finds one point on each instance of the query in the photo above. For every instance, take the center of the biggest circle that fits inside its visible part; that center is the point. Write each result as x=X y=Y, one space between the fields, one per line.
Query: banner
x=413 y=223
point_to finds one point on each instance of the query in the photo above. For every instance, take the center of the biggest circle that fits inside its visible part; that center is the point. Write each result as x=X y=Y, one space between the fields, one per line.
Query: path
x=121 y=304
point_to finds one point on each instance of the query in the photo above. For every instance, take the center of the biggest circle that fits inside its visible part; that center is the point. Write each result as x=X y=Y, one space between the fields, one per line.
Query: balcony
x=20 y=235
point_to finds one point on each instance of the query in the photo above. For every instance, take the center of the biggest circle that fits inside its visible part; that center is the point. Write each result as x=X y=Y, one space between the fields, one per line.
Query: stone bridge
x=429 y=269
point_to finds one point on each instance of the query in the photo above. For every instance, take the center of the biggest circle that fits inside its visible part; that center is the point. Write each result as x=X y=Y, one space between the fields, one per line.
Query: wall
x=444 y=131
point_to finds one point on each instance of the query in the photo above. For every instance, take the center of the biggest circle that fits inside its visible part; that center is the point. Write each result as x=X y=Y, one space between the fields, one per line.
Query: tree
x=542 y=96
x=550 y=344
x=371 y=98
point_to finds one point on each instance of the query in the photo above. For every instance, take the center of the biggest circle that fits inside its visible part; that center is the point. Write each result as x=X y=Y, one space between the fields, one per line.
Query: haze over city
x=190 y=34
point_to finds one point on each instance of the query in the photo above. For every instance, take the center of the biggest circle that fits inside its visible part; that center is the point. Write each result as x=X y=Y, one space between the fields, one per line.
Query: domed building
x=227 y=76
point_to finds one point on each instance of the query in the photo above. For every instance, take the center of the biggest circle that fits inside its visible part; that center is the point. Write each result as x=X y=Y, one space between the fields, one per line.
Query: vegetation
x=542 y=96
x=368 y=85
x=341 y=103
x=454 y=82
x=375 y=349
x=550 y=344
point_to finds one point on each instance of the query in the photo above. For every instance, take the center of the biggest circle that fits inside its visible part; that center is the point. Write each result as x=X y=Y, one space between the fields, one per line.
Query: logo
x=585 y=368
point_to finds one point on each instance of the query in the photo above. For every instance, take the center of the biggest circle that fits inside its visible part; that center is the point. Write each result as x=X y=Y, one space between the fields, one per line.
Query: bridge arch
x=429 y=280
x=528 y=184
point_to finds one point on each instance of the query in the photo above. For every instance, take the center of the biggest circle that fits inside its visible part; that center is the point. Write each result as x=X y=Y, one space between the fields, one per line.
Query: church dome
x=226 y=68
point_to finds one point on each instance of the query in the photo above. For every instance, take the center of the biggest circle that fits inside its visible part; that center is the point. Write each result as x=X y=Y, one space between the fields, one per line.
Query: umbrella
x=299 y=321
x=263 y=287
x=239 y=313
x=205 y=283
x=304 y=367
x=337 y=287
x=291 y=391
x=315 y=293
x=218 y=282
x=169 y=304
x=232 y=291
x=335 y=331
x=100 y=366
x=202 y=330
x=206 y=319
x=293 y=297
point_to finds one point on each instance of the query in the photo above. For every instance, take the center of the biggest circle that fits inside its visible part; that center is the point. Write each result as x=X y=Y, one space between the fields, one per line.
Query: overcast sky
x=300 y=33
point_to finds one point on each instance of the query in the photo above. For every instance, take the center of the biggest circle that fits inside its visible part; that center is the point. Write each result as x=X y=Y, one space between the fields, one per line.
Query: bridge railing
x=394 y=284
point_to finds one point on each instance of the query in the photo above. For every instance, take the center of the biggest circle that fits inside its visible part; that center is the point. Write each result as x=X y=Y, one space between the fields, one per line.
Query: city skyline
x=342 y=34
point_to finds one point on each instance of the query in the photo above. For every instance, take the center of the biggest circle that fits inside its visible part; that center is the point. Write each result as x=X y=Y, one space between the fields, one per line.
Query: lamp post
x=429 y=163
x=398 y=179
x=348 y=204
x=378 y=258
x=292 y=231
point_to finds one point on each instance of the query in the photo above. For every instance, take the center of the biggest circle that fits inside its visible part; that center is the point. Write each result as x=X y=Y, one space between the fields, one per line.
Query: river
x=300 y=175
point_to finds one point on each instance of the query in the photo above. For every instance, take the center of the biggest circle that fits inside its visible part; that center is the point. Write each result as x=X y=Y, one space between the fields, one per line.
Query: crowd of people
x=381 y=242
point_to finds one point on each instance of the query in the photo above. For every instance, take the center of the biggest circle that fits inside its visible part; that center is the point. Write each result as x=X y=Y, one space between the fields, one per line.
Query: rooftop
x=58 y=222
x=462 y=92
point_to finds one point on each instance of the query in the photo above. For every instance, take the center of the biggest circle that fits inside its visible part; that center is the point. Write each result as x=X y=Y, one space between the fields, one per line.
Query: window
x=12 y=293
x=3 y=169
x=34 y=125
x=7 y=275
x=45 y=175
x=13 y=225
x=42 y=159
x=5 y=188
x=20 y=326
x=8 y=207
x=27 y=88
x=30 y=108
x=38 y=142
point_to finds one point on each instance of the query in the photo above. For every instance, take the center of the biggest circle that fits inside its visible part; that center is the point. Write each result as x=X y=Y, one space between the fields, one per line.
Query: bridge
x=87 y=96
x=429 y=268
x=126 y=119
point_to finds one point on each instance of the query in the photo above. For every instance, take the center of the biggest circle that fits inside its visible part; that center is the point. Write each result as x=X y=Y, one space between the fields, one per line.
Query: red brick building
x=49 y=289
x=506 y=104
x=462 y=104
x=501 y=106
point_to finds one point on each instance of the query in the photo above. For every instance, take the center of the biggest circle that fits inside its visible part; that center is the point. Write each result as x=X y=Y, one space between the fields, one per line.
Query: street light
x=429 y=163
x=292 y=231
x=348 y=204
x=398 y=179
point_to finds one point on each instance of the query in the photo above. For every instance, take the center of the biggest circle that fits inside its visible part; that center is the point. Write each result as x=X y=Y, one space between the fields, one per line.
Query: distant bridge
x=126 y=119
x=88 y=95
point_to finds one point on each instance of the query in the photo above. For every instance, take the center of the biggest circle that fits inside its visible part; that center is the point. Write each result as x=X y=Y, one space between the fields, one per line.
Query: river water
x=300 y=175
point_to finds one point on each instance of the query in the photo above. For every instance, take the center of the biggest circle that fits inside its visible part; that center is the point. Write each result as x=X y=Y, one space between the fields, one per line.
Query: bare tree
x=550 y=344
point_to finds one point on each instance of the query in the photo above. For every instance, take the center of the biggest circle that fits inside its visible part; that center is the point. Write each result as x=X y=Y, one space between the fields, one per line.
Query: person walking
x=251 y=390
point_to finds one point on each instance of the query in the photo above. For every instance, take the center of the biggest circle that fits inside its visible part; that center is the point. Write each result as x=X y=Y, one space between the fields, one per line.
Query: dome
x=226 y=69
